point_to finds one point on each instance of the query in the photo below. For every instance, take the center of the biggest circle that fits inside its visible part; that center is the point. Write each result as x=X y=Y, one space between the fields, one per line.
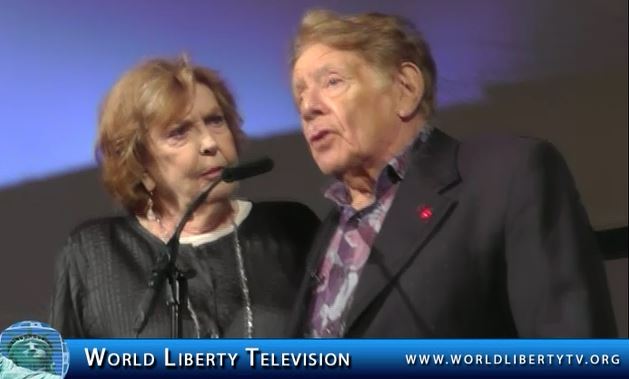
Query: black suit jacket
x=505 y=251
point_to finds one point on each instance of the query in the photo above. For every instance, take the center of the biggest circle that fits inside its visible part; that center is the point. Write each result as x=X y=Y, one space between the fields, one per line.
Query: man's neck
x=360 y=186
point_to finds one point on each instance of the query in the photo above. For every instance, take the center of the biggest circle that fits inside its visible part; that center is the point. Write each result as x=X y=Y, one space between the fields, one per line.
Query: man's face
x=347 y=109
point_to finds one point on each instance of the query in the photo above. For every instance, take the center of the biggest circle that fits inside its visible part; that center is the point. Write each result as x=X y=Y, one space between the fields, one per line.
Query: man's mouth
x=318 y=136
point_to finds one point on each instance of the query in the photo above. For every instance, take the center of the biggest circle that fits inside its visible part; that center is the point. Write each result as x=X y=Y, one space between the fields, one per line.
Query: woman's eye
x=217 y=120
x=178 y=132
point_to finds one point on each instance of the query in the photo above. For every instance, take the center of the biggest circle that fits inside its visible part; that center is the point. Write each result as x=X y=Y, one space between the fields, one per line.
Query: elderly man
x=431 y=237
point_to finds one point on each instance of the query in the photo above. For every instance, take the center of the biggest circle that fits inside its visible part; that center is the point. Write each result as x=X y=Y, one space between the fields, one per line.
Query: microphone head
x=247 y=169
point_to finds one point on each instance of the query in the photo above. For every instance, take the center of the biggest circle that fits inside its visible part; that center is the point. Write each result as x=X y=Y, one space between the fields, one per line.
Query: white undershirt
x=243 y=206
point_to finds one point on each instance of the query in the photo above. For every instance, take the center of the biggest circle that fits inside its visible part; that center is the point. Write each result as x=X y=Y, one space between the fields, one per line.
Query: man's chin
x=331 y=168
x=337 y=164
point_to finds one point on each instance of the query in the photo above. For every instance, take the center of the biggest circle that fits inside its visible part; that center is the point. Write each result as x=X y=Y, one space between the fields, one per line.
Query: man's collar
x=399 y=163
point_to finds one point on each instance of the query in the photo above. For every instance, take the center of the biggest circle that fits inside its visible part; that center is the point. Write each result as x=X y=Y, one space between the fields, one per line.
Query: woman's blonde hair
x=384 y=41
x=157 y=92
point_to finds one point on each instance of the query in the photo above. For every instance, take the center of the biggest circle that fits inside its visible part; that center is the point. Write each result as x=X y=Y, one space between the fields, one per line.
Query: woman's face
x=189 y=155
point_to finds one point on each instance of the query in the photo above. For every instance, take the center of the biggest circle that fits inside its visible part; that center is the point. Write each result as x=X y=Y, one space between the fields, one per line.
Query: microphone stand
x=166 y=268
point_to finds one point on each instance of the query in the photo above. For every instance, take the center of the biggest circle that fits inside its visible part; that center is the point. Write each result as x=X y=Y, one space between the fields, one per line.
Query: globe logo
x=35 y=347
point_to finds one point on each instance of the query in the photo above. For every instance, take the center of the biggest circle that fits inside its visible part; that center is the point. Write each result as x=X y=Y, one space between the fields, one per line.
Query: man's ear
x=148 y=182
x=411 y=84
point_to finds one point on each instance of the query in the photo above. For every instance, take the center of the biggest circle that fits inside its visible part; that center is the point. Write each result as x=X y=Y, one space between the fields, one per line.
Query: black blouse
x=104 y=268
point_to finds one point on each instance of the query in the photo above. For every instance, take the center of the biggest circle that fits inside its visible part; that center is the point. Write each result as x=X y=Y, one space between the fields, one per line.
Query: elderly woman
x=166 y=131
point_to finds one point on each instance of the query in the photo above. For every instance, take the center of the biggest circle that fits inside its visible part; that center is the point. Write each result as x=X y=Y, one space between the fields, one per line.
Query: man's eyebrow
x=300 y=84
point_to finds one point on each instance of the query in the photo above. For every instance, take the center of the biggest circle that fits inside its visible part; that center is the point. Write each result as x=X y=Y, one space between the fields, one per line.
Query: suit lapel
x=418 y=209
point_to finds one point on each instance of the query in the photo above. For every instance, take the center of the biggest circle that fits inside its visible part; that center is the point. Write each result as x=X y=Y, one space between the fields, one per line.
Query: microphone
x=247 y=170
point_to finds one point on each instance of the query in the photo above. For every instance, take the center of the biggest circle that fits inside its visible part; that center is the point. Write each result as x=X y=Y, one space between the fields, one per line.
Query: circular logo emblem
x=35 y=346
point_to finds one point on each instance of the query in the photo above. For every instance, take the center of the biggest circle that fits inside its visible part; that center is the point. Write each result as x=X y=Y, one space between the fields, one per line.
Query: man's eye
x=334 y=81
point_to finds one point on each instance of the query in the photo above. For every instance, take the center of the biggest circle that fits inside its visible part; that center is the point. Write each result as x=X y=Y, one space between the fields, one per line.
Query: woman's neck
x=207 y=218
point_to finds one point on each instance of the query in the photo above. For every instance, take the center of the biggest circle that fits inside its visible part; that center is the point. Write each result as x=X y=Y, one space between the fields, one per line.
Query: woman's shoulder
x=284 y=211
x=291 y=219
x=98 y=226
x=283 y=207
x=290 y=226
x=86 y=244
x=95 y=225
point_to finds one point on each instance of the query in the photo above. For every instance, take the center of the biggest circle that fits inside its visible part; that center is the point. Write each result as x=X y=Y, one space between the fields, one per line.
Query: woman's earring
x=150 y=214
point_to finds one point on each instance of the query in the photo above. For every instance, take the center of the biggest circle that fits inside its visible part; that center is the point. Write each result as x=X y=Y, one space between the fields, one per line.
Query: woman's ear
x=411 y=84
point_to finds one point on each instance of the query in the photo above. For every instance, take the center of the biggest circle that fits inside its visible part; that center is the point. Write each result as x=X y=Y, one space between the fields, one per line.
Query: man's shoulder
x=494 y=160
x=500 y=151
x=497 y=144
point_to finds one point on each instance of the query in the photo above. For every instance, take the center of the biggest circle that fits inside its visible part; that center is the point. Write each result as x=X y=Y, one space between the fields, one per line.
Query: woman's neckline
x=243 y=208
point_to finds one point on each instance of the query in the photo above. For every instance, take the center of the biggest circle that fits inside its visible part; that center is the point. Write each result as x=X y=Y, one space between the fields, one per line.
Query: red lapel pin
x=424 y=212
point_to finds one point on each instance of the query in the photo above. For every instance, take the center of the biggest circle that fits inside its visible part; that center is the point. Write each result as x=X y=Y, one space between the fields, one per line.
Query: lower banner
x=160 y=358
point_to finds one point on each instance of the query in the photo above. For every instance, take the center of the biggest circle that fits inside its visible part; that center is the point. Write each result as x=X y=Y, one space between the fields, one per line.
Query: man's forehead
x=318 y=62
